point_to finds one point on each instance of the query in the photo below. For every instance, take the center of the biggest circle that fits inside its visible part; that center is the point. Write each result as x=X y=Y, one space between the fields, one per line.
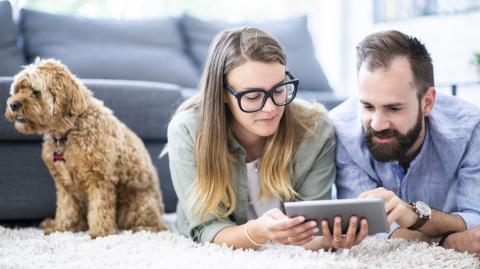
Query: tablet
x=372 y=209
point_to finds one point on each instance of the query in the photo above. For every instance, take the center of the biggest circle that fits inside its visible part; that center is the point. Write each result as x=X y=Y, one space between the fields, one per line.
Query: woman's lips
x=268 y=120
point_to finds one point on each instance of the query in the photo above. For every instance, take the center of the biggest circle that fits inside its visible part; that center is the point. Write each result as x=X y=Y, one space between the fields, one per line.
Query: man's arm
x=468 y=186
x=413 y=235
x=439 y=224
x=405 y=215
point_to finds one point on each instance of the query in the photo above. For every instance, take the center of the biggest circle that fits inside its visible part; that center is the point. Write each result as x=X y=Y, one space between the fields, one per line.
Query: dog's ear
x=70 y=95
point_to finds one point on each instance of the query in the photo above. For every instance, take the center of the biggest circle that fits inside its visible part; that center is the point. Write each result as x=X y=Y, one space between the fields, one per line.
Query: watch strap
x=420 y=221
x=417 y=225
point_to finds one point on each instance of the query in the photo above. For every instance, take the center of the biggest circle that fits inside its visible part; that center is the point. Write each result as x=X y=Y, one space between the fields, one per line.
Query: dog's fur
x=107 y=181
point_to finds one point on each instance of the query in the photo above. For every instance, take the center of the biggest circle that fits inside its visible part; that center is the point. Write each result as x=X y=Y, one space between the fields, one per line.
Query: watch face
x=423 y=208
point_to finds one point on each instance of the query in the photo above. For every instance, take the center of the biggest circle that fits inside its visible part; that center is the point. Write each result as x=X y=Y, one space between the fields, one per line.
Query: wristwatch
x=424 y=213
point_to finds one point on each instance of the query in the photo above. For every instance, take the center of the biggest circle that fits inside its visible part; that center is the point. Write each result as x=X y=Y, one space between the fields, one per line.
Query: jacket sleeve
x=183 y=171
x=314 y=170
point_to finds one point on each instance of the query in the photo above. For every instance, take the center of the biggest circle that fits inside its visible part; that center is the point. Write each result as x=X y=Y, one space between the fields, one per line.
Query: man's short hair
x=379 y=49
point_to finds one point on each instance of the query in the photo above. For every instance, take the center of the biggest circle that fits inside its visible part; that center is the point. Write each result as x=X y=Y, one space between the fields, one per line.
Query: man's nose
x=14 y=106
x=379 y=122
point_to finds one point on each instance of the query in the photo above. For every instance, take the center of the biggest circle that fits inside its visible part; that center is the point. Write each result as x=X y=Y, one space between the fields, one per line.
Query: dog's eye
x=36 y=94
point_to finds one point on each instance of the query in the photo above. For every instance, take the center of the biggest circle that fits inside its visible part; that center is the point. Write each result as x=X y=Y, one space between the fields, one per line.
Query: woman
x=240 y=148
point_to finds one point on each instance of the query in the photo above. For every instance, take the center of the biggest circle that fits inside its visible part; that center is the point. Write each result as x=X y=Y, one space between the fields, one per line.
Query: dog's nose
x=15 y=105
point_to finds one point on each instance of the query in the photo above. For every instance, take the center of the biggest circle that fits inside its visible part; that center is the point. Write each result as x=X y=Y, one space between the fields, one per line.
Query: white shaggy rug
x=29 y=248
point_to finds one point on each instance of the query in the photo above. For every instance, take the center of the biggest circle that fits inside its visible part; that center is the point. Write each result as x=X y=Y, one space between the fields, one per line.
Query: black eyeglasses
x=253 y=99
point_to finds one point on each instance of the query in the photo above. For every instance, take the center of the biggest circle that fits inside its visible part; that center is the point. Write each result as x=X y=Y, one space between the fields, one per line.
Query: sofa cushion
x=11 y=59
x=145 y=107
x=150 y=49
x=292 y=34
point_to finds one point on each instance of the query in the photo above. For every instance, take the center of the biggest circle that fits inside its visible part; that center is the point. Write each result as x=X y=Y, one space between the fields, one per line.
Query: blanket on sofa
x=29 y=248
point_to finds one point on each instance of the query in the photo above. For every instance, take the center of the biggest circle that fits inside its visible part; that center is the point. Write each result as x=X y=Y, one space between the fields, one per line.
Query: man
x=418 y=149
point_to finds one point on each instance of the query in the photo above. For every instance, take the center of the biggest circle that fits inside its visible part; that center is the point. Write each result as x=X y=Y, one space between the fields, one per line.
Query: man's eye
x=395 y=109
x=368 y=108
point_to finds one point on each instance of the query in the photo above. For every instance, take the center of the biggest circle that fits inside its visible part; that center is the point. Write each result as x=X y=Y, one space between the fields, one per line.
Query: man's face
x=392 y=114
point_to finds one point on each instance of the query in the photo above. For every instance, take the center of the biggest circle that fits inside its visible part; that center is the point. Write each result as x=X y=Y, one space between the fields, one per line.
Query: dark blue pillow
x=292 y=34
x=150 y=49
x=11 y=59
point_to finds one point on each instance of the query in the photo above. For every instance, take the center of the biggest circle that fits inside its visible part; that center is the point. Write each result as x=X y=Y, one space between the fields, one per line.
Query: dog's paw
x=94 y=233
x=48 y=226
x=158 y=228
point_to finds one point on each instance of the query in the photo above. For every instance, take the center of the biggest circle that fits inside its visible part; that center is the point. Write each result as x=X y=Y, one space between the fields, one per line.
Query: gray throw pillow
x=292 y=34
x=11 y=59
x=150 y=49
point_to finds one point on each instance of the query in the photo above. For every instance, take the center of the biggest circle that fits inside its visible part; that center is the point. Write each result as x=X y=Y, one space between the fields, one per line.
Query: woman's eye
x=253 y=96
x=279 y=90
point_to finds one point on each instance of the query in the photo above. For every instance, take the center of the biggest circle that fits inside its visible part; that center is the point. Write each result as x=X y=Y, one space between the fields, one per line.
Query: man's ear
x=428 y=101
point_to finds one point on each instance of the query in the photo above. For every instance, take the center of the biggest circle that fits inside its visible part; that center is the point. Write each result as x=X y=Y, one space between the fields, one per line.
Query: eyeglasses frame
x=268 y=93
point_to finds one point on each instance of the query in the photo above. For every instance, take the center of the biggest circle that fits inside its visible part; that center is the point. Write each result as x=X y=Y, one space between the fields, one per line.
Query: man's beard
x=398 y=148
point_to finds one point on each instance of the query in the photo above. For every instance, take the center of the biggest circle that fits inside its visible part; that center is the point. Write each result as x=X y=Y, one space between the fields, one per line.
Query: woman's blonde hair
x=214 y=192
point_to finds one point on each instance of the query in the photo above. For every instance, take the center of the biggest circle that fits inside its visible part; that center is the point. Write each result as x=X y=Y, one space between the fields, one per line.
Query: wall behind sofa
x=451 y=39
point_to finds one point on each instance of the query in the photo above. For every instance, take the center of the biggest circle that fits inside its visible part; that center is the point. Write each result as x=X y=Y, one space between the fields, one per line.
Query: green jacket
x=312 y=173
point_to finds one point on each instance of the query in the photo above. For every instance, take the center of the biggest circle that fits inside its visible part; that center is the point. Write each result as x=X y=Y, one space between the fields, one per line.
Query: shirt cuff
x=385 y=236
x=207 y=232
x=471 y=219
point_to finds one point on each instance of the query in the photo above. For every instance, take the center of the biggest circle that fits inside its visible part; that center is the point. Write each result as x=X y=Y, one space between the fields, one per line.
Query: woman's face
x=253 y=74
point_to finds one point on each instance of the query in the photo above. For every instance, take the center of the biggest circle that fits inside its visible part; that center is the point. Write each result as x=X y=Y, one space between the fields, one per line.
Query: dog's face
x=42 y=96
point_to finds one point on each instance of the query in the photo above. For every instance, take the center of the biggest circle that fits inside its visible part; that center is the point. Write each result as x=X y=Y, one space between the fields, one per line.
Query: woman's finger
x=337 y=232
x=362 y=234
x=304 y=235
x=293 y=232
x=327 y=235
x=284 y=224
x=350 y=237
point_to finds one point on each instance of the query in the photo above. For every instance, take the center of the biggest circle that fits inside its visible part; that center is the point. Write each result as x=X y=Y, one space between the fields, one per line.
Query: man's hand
x=397 y=210
x=468 y=240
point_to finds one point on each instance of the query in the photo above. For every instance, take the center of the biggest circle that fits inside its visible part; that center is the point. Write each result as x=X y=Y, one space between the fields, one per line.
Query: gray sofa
x=141 y=69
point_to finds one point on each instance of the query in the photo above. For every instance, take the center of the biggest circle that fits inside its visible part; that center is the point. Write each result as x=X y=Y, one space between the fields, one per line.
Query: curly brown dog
x=103 y=174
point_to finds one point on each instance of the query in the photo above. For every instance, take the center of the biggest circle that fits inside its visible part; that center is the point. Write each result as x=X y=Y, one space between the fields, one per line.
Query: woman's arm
x=273 y=225
x=183 y=169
